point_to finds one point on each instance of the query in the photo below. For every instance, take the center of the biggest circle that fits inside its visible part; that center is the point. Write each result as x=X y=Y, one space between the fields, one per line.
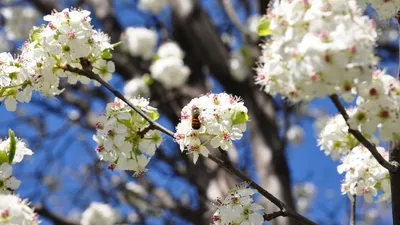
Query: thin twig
x=230 y=11
x=358 y=135
x=353 y=211
x=96 y=77
x=274 y=215
x=226 y=165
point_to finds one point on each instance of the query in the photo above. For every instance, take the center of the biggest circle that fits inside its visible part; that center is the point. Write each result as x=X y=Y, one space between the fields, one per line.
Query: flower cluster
x=99 y=214
x=334 y=139
x=169 y=68
x=20 y=150
x=14 y=210
x=378 y=105
x=14 y=83
x=217 y=119
x=364 y=176
x=310 y=55
x=137 y=87
x=238 y=208
x=67 y=39
x=139 y=41
x=8 y=183
x=154 y=6
x=19 y=20
x=124 y=138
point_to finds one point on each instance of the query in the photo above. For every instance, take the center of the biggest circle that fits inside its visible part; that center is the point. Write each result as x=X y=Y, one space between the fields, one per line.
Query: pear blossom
x=335 y=140
x=14 y=84
x=304 y=193
x=170 y=49
x=8 y=183
x=238 y=208
x=295 y=134
x=169 y=68
x=364 y=176
x=99 y=214
x=170 y=71
x=139 y=41
x=14 y=210
x=137 y=87
x=124 y=138
x=378 y=106
x=20 y=149
x=310 y=55
x=222 y=119
x=68 y=38
x=154 y=6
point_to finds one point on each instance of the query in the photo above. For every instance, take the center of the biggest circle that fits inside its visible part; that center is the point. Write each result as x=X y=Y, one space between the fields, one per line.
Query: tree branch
x=353 y=211
x=391 y=166
x=226 y=165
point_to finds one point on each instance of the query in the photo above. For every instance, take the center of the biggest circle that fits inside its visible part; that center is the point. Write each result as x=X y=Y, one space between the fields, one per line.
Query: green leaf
x=3 y=157
x=263 y=27
x=153 y=114
x=106 y=54
x=147 y=79
x=34 y=35
x=239 y=117
x=13 y=145
x=155 y=58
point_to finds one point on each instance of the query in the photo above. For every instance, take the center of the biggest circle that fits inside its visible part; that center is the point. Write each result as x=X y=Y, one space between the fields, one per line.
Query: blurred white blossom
x=19 y=20
x=99 y=214
x=139 y=41
x=154 y=6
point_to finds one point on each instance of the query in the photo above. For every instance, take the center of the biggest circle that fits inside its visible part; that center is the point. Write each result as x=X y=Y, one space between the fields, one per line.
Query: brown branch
x=391 y=166
x=353 y=211
x=96 y=77
x=227 y=166
x=57 y=219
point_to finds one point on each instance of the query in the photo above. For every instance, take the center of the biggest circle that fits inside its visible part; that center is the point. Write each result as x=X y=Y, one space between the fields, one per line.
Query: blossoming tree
x=309 y=49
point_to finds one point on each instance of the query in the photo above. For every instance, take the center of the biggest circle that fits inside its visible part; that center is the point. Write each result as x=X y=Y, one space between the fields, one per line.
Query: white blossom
x=8 y=183
x=124 y=138
x=295 y=134
x=139 y=41
x=310 y=53
x=20 y=149
x=99 y=214
x=334 y=138
x=154 y=6
x=364 y=176
x=170 y=71
x=222 y=119
x=137 y=87
x=378 y=106
x=14 y=210
x=170 y=49
x=238 y=208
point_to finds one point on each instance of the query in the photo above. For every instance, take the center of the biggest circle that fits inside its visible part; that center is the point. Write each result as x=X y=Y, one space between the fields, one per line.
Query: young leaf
x=263 y=27
x=12 y=146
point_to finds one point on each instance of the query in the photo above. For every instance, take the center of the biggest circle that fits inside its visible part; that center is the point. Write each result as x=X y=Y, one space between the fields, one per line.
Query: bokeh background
x=221 y=46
